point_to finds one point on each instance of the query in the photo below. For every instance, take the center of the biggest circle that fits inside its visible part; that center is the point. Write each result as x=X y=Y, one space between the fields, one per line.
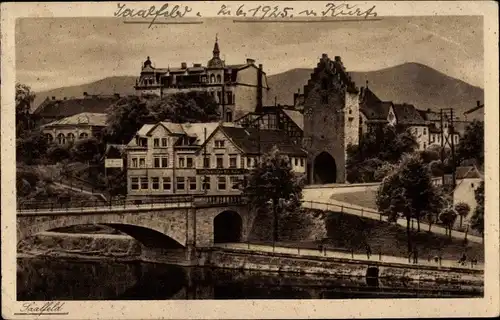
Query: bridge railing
x=217 y=200
x=72 y=204
x=326 y=206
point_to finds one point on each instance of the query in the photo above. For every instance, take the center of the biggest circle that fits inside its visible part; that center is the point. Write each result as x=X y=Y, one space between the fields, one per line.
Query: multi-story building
x=192 y=158
x=77 y=127
x=238 y=88
x=426 y=126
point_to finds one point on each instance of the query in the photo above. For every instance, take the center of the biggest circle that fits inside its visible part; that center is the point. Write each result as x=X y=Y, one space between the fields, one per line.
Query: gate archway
x=227 y=227
x=325 y=169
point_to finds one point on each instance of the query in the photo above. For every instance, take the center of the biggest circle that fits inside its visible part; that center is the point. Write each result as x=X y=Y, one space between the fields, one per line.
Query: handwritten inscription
x=51 y=307
x=169 y=11
x=166 y=11
x=269 y=11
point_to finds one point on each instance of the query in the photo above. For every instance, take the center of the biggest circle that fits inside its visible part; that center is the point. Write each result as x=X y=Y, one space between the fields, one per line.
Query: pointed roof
x=216 y=50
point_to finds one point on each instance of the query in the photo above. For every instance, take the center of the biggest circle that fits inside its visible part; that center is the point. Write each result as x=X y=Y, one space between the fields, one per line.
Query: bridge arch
x=324 y=169
x=228 y=227
x=150 y=232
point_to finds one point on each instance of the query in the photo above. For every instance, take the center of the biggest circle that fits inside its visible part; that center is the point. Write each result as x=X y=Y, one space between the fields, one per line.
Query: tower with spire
x=216 y=61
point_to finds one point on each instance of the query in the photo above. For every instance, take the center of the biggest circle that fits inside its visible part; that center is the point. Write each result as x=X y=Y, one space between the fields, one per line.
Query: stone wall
x=234 y=259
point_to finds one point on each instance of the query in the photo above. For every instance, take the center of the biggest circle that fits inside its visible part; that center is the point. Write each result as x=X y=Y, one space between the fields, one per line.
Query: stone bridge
x=181 y=225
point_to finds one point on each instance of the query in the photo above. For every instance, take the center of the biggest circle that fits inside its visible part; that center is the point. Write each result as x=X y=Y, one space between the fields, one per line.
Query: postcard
x=238 y=160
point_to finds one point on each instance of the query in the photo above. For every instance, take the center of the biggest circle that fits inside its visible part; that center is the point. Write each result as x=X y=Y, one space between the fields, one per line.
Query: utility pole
x=449 y=141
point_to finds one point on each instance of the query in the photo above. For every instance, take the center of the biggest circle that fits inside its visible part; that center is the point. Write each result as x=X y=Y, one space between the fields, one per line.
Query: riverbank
x=124 y=248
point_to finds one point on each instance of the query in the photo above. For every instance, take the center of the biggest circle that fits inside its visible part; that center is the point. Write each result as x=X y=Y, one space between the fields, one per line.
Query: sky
x=58 y=52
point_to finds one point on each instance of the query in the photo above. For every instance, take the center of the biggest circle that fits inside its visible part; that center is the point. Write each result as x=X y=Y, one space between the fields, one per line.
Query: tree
x=57 y=153
x=477 y=219
x=193 y=106
x=86 y=150
x=448 y=217
x=471 y=145
x=463 y=209
x=30 y=147
x=430 y=218
x=375 y=149
x=24 y=99
x=125 y=118
x=273 y=185
x=408 y=192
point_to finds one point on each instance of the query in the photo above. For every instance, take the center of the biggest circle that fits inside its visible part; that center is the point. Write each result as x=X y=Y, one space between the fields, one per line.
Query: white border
x=263 y=309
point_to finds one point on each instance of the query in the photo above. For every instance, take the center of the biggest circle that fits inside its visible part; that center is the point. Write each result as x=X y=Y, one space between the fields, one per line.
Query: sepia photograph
x=248 y=158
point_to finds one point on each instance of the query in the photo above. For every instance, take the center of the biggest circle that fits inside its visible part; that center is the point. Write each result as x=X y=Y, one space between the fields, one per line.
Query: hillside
x=123 y=85
x=410 y=82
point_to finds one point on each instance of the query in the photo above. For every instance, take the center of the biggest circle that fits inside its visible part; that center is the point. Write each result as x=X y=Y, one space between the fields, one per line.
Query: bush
x=57 y=153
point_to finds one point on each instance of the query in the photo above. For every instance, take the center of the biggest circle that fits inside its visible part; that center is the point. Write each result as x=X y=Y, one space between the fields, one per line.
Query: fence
x=129 y=203
x=340 y=253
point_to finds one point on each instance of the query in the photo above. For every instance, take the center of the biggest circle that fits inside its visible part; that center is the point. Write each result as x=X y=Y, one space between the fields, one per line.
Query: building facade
x=77 y=127
x=331 y=120
x=212 y=158
x=238 y=89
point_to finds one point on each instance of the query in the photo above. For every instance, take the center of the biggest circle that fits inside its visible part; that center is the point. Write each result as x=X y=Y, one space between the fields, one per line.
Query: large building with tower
x=238 y=88
x=331 y=120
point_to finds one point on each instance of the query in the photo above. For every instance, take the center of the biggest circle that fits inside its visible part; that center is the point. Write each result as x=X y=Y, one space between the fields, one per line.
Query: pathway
x=320 y=199
x=346 y=255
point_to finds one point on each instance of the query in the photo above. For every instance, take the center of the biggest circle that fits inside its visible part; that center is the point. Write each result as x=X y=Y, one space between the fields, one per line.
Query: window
x=425 y=145
x=142 y=162
x=134 y=162
x=219 y=97
x=181 y=162
x=189 y=162
x=134 y=183
x=425 y=130
x=71 y=137
x=164 y=162
x=229 y=116
x=324 y=84
x=432 y=138
x=206 y=162
x=296 y=161
x=163 y=142
x=229 y=98
x=144 y=183
x=212 y=78
x=155 y=183
x=220 y=161
x=167 y=183
x=324 y=99
x=232 y=161
x=156 y=162
x=219 y=143
x=221 y=183
x=242 y=162
x=206 y=183
x=61 y=139
x=301 y=162
x=49 y=138
x=156 y=142
x=219 y=80
x=180 y=183
x=234 y=182
x=192 y=183
x=249 y=162
x=84 y=135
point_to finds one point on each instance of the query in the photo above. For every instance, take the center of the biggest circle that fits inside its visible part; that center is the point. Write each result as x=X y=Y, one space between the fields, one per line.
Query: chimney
x=259 y=88
x=478 y=103
x=85 y=94
x=117 y=95
x=64 y=98
x=53 y=98
x=337 y=58
x=184 y=65
x=250 y=61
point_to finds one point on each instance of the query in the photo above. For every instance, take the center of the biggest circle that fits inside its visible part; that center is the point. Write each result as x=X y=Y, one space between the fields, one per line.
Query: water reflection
x=58 y=279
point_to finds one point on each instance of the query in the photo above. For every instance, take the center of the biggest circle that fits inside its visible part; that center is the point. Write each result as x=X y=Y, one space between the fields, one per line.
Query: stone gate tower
x=331 y=120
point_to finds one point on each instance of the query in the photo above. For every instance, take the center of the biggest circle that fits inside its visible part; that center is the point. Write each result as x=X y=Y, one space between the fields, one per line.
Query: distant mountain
x=412 y=83
x=123 y=85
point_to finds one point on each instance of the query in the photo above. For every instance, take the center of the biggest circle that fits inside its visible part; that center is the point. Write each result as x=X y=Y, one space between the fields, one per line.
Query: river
x=73 y=279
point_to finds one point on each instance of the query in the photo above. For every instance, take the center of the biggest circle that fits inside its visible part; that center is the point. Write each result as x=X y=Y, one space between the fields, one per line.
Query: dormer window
x=219 y=143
